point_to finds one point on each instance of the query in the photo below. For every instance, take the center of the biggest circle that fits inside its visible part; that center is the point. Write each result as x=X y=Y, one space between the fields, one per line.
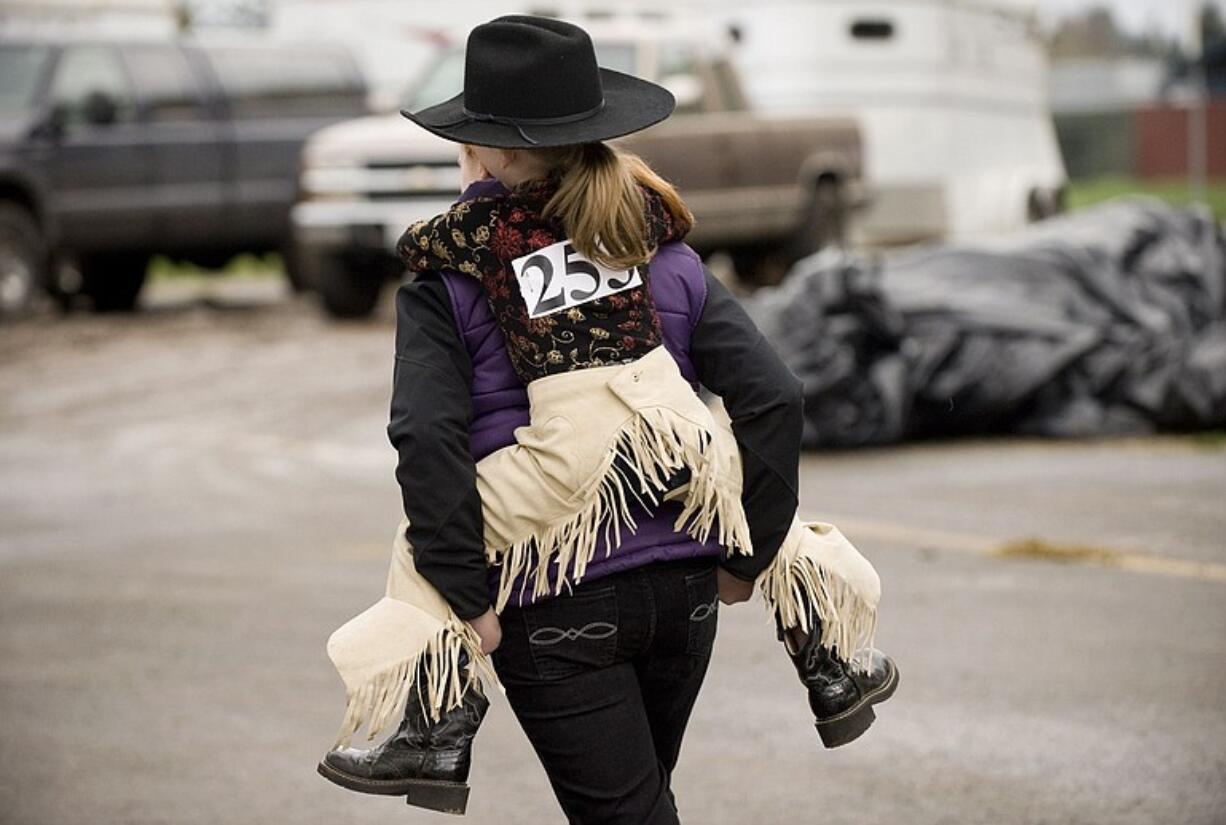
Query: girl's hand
x=471 y=169
x=731 y=589
x=489 y=629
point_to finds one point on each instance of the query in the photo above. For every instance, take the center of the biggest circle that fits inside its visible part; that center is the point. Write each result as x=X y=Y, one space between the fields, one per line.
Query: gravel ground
x=193 y=497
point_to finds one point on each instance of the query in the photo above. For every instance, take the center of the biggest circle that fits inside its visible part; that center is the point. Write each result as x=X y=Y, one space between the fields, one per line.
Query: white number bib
x=555 y=278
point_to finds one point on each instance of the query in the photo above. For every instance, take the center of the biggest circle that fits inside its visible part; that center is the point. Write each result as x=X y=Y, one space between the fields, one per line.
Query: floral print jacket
x=481 y=236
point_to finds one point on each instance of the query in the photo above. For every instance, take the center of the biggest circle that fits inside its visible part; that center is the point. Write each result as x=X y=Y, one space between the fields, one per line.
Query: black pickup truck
x=111 y=152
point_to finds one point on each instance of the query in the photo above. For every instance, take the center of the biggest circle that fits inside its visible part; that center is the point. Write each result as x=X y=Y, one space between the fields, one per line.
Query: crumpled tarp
x=1107 y=321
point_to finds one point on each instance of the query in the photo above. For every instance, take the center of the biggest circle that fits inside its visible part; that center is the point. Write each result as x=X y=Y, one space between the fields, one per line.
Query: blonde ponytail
x=600 y=203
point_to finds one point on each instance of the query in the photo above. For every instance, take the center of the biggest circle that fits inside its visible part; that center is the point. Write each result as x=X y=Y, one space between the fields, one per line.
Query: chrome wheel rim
x=16 y=279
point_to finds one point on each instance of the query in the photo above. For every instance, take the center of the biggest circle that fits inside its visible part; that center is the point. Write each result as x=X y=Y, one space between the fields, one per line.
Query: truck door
x=185 y=138
x=99 y=167
x=275 y=97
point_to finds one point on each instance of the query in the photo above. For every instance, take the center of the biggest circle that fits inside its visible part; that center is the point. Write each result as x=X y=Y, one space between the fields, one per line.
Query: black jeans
x=603 y=680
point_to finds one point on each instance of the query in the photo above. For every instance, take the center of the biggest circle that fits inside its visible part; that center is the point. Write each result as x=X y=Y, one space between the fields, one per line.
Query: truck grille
x=385 y=181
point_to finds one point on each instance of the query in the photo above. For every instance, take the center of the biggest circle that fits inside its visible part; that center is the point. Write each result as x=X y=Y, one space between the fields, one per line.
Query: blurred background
x=986 y=234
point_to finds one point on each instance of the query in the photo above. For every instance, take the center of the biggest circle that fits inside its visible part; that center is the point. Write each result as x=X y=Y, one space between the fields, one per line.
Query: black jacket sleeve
x=430 y=415
x=765 y=402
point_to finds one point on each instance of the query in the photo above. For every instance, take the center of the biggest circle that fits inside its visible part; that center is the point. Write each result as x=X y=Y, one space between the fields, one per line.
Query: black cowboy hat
x=532 y=82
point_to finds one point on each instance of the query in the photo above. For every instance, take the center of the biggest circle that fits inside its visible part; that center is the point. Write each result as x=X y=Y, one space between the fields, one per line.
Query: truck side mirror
x=54 y=124
x=99 y=108
x=687 y=89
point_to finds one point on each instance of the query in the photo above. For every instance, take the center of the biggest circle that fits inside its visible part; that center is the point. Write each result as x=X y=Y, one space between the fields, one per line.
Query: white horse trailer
x=950 y=95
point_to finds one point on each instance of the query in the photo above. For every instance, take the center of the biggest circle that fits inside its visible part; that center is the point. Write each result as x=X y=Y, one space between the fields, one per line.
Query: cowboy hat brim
x=630 y=104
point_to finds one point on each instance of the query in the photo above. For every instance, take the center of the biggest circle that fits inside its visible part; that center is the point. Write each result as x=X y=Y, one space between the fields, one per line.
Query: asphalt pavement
x=193 y=497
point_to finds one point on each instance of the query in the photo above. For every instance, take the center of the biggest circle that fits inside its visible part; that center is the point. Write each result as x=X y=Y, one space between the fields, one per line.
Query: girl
x=609 y=503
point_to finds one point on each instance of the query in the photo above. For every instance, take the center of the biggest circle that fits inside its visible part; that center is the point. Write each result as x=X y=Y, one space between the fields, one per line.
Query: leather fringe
x=648 y=451
x=848 y=621
x=381 y=700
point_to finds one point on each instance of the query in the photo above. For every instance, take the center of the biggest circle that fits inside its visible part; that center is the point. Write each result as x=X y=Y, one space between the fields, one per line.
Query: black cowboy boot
x=427 y=763
x=841 y=699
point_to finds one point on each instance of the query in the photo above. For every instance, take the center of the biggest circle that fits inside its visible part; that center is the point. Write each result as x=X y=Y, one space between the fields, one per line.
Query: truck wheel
x=22 y=260
x=825 y=220
x=1042 y=204
x=346 y=293
x=761 y=265
x=824 y=223
x=292 y=263
x=113 y=280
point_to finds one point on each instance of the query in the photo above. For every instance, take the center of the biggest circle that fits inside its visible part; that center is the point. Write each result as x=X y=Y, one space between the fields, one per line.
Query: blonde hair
x=600 y=203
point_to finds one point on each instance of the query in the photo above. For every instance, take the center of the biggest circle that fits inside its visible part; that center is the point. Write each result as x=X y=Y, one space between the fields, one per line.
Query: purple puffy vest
x=500 y=402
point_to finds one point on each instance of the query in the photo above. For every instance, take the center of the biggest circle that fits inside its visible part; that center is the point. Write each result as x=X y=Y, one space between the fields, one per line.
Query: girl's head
x=533 y=88
x=598 y=198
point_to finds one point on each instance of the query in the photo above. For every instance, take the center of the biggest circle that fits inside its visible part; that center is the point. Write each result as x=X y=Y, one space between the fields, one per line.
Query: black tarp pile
x=1108 y=321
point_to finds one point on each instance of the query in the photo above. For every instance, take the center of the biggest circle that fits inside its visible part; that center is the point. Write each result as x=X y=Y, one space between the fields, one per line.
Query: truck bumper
x=368 y=224
x=348 y=238
x=901 y=213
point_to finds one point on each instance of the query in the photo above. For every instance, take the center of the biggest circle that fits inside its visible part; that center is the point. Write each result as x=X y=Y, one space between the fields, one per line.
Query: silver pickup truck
x=768 y=190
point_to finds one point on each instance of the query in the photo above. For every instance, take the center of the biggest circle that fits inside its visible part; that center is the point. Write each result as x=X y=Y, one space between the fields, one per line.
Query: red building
x=1162 y=140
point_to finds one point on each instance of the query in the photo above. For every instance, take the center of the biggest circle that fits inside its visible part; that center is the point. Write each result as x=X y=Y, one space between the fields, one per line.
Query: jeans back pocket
x=702 y=592
x=573 y=633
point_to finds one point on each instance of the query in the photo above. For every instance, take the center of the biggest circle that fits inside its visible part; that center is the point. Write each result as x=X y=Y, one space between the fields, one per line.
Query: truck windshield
x=444 y=79
x=21 y=67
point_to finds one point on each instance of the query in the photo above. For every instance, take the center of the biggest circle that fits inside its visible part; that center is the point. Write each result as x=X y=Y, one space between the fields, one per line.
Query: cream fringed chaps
x=411 y=631
x=817 y=566
x=599 y=439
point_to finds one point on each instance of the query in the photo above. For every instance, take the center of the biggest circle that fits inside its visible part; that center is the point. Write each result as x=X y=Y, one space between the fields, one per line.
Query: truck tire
x=292 y=264
x=825 y=220
x=824 y=223
x=347 y=293
x=761 y=265
x=23 y=260
x=113 y=280
x=1044 y=203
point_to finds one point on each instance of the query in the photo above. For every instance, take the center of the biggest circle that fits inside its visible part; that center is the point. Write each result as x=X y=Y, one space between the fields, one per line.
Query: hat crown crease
x=523 y=71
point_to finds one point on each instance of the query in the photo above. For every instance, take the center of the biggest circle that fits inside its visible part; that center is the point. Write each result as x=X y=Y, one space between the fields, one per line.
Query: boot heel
x=445 y=797
x=836 y=732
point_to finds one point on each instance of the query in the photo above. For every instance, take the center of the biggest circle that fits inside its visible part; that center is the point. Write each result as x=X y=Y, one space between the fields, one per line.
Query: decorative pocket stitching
x=573 y=633
x=548 y=635
x=699 y=587
x=703 y=611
